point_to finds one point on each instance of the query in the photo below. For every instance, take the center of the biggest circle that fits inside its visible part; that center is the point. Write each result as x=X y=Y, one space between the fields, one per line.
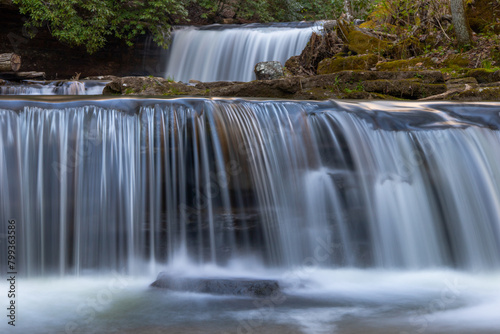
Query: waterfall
x=229 y=53
x=128 y=183
x=32 y=87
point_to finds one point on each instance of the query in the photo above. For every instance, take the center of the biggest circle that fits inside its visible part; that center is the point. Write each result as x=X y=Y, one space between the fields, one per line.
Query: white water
x=231 y=54
x=314 y=301
x=88 y=87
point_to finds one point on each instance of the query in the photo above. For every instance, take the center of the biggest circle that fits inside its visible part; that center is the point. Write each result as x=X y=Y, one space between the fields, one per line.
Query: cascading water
x=87 y=87
x=360 y=209
x=229 y=53
x=219 y=179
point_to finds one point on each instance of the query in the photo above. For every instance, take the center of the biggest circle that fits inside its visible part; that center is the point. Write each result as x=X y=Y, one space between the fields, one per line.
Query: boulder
x=269 y=70
x=219 y=286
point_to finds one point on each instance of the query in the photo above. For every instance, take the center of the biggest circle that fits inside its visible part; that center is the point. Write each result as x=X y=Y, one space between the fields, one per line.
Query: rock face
x=236 y=287
x=269 y=70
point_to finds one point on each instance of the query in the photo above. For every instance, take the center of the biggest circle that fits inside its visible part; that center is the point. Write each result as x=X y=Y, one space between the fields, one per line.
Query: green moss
x=406 y=65
x=457 y=61
x=483 y=16
x=479 y=94
x=406 y=48
x=485 y=75
x=362 y=43
x=355 y=95
x=129 y=91
x=454 y=72
x=406 y=88
x=337 y=64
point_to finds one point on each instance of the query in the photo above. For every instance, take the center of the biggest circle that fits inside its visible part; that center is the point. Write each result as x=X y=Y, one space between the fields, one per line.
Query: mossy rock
x=457 y=61
x=409 y=47
x=454 y=72
x=317 y=94
x=484 y=75
x=479 y=94
x=337 y=64
x=357 y=95
x=406 y=65
x=408 y=88
x=362 y=43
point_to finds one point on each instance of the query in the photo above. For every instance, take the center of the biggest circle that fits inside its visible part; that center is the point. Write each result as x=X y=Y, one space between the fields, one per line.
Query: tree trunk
x=10 y=62
x=348 y=10
x=460 y=22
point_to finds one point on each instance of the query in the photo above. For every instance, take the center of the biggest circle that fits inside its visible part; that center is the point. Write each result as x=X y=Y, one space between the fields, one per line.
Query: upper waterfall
x=229 y=53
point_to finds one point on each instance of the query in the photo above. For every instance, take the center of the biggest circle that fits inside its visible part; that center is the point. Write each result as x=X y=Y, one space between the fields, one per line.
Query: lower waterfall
x=374 y=217
x=102 y=186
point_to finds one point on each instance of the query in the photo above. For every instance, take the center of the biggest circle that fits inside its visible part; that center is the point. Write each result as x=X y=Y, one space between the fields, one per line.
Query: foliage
x=90 y=23
x=332 y=9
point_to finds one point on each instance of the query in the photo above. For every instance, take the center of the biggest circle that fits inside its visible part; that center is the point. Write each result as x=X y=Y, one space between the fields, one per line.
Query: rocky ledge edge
x=476 y=85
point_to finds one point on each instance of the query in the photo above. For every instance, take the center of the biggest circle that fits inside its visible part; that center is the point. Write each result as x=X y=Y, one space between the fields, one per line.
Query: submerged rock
x=219 y=286
x=269 y=70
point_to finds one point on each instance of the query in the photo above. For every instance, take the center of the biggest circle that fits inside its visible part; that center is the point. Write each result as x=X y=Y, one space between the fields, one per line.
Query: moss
x=362 y=43
x=129 y=91
x=479 y=94
x=409 y=47
x=407 y=88
x=406 y=65
x=454 y=72
x=457 y=61
x=317 y=93
x=355 y=95
x=337 y=64
x=483 y=16
x=484 y=75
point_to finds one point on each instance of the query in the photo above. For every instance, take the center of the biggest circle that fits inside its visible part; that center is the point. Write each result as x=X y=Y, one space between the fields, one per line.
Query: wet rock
x=219 y=286
x=2 y=82
x=269 y=70
x=337 y=64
